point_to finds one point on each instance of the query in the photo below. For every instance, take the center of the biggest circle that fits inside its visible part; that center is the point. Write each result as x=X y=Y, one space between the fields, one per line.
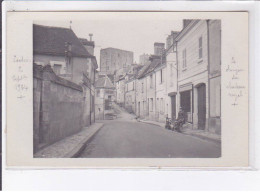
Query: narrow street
x=125 y=137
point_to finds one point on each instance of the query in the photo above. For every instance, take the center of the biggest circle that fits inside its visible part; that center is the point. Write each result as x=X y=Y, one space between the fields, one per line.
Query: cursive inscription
x=235 y=86
x=19 y=78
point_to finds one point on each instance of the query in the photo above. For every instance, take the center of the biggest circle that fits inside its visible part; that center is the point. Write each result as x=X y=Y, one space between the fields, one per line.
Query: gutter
x=208 y=73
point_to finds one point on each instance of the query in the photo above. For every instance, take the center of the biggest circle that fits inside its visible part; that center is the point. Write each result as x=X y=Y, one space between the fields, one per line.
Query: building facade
x=192 y=55
x=112 y=59
x=171 y=76
x=105 y=97
x=63 y=51
x=88 y=44
x=160 y=92
x=141 y=93
x=130 y=93
x=120 y=91
x=214 y=36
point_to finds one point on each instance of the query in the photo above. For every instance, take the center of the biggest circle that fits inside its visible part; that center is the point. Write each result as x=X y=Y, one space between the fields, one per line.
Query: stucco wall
x=141 y=97
x=59 y=107
x=171 y=80
x=196 y=70
x=215 y=75
x=78 y=65
x=215 y=47
x=190 y=42
x=160 y=112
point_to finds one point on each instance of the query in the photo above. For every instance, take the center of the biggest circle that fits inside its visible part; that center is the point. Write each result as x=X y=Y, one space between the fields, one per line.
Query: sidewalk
x=187 y=130
x=71 y=146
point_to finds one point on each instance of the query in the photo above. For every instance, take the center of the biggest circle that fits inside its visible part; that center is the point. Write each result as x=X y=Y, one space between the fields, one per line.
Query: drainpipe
x=94 y=95
x=177 y=89
x=155 y=107
x=90 y=101
x=208 y=74
x=135 y=95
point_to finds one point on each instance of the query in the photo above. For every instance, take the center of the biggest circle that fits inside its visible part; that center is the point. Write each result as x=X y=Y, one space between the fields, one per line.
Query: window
x=57 y=69
x=133 y=86
x=142 y=87
x=200 y=47
x=151 y=81
x=184 y=65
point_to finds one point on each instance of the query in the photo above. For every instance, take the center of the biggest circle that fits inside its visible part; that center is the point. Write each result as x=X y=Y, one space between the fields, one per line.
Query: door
x=201 y=106
x=173 y=108
x=139 y=109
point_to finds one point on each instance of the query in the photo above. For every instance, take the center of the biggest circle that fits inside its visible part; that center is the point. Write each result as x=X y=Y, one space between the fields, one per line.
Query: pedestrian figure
x=180 y=120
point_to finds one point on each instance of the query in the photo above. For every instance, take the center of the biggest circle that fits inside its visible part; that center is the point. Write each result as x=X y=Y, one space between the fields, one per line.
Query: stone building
x=150 y=77
x=63 y=50
x=141 y=92
x=120 y=91
x=64 y=67
x=160 y=91
x=171 y=76
x=112 y=59
x=130 y=94
x=105 y=96
x=214 y=45
x=193 y=90
x=144 y=58
x=88 y=44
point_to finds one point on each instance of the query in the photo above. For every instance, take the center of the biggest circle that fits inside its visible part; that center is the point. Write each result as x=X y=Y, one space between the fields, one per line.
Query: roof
x=159 y=43
x=85 y=41
x=143 y=70
x=154 y=63
x=104 y=82
x=110 y=48
x=186 y=29
x=51 y=41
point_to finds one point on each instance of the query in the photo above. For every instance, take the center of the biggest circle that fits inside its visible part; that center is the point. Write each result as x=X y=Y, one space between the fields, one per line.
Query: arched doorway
x=201 y=89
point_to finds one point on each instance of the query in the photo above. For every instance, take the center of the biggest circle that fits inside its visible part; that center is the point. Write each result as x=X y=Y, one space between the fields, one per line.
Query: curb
x=205 y=138
x=81 y=146
x=150 y=123
x=193 y=135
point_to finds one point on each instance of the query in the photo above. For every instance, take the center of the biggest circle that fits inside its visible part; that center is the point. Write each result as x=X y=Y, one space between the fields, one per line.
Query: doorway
x=139 y=109
x=173 y=107
x=201 y=106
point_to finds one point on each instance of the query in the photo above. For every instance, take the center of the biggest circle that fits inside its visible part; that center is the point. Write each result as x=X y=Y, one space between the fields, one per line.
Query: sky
x=132 y=32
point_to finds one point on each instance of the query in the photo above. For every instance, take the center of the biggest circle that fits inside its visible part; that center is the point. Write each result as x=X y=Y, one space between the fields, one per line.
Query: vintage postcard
x=127 y=89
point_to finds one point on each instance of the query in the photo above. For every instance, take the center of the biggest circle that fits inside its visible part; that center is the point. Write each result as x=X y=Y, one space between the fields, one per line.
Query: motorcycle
x=175 y=125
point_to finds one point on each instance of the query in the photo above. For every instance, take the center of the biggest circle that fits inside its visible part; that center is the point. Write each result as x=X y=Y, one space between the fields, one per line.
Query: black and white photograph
x=110 y=88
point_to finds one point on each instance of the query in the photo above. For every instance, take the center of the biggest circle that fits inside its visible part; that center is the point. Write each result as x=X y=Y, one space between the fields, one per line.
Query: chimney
x=90 y=37
x=159 y=48
x=186 y=22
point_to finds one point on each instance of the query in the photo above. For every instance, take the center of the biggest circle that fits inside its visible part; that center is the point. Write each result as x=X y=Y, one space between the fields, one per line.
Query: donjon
x=112 y=59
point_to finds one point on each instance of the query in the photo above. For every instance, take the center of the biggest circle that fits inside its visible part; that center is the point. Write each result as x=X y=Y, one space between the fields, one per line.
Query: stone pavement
x=71 y=146
x=187 y=129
